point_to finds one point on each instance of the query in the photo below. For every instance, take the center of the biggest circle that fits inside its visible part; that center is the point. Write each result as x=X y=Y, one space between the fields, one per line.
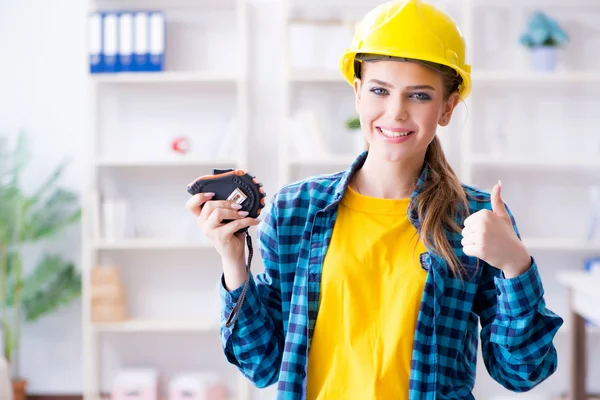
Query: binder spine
x=110 y=40
x=125 y=50
x=157 y=41
x=141 y=35
x=95 y=52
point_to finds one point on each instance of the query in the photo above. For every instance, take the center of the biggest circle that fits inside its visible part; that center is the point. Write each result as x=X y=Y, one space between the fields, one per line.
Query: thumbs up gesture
x=489 y=236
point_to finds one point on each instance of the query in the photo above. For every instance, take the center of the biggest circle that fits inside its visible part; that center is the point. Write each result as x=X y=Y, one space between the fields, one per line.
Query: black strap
x=233 y=316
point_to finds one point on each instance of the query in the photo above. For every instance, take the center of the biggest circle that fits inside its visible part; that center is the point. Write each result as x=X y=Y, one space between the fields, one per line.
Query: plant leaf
x=353 y=123
x=45 y=186
x=8 y=340
x=11 y=264
x=11 y=211
x=58 y=211
x=54 y=283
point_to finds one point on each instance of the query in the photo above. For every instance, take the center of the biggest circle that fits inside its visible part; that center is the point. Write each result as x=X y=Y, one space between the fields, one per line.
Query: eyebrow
x=388 y=85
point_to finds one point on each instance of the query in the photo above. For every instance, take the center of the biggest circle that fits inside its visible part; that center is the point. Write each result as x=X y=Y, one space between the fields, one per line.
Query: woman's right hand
x=210 y=215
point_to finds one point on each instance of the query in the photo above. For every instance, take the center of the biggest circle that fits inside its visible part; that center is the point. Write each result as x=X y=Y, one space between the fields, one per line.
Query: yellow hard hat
x=410 y=29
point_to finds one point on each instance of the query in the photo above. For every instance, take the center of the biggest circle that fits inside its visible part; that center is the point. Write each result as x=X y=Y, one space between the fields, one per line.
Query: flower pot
x=19 y=389
x=544 y=58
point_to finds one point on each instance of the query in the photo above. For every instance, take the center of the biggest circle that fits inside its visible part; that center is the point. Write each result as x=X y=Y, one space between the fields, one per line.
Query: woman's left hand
x=489 y=236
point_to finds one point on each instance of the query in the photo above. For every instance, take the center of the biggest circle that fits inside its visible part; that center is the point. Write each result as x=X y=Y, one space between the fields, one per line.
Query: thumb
x=498 y=206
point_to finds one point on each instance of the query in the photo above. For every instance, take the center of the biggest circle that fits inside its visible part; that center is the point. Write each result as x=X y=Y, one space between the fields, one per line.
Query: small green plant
x=353 y=123
x=543 y=31
x=25 y=219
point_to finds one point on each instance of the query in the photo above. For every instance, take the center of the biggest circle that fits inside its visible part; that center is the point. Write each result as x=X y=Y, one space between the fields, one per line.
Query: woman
x=377 y=278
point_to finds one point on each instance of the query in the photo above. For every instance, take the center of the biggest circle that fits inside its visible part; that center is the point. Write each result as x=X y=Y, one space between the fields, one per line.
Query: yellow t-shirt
x=371 y=289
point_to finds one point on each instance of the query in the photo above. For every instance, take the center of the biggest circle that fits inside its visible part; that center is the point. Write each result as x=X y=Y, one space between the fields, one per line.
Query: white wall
x=43 y=91
x=42 y=88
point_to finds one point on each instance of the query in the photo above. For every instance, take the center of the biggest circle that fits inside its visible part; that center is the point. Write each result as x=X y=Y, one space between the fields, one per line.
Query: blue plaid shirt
x=270 y=340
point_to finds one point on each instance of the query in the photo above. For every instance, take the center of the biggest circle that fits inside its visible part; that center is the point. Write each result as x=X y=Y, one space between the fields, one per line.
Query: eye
x=379 y=91
x=420 y=96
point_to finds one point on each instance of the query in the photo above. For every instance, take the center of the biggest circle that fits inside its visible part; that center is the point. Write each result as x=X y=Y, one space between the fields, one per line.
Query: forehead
x=401 y=72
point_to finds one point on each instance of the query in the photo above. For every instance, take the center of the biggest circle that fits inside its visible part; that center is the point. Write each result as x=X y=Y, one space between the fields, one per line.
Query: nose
x=399 y=109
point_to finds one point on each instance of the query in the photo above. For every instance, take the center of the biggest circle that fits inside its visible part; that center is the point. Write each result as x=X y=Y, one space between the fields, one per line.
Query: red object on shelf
x=181 y=145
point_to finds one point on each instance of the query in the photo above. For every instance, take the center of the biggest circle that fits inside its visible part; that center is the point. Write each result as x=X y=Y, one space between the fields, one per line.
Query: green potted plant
x=27 y=217
x=353 y=126
x=543 y=37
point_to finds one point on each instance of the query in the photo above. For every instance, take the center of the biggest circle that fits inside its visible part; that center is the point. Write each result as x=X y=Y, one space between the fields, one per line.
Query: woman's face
x=400 y=105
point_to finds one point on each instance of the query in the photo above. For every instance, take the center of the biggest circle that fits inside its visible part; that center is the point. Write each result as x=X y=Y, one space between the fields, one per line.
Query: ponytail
x=437 y=206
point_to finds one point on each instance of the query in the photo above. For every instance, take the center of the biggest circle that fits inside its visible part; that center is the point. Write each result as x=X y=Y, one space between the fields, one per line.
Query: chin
x=390 y=154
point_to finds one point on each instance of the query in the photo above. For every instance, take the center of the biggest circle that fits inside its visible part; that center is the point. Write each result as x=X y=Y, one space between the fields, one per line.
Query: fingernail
x=242 y=213
x=209 y=194
x=236 y=206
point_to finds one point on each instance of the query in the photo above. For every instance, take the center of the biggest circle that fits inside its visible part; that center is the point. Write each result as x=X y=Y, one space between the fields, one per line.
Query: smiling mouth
x=393 y=134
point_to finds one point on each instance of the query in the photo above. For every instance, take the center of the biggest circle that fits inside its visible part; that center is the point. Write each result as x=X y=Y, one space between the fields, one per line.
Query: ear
x=449 y=106
x=357 y=86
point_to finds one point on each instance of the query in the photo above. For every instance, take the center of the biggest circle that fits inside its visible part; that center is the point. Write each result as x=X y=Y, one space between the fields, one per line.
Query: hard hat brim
x=347 y=66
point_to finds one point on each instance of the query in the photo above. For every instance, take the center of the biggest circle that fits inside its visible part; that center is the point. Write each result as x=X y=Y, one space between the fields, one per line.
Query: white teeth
x=394 y=134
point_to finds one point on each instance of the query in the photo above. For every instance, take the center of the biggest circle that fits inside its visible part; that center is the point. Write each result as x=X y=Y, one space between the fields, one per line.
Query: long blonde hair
x=439 y=203
x=443 y=200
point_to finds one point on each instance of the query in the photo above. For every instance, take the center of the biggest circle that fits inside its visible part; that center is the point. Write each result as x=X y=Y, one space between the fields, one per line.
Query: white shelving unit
x=506 y=73
x=491 y=161
x=296 y=79
x=168 y=77
x=149 y=244
x=560 y=244
x=107 y=163
x=111 y=93
x=158 y=326
x=500 y=77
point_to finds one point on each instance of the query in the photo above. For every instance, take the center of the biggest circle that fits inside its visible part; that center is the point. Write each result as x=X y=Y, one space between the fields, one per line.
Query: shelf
x=166 y=77
x=106 y=396
x=535 y=77
x=316 y=76
x=124 y=101
x=481 y=76
x=151 y=244
x=166 y=163
x=317 y=21
x=534 y=3
x=161 y=4
x=495 y=161
x=142 y=325
x=590 y=330
x=560 y=244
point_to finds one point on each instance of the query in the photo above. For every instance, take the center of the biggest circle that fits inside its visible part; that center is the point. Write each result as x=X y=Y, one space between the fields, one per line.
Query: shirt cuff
x=519 y=295
x=249 y=308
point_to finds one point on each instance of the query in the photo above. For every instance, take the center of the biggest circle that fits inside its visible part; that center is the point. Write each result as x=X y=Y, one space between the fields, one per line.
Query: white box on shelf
x=307 y=140
x=198 y=386
x=308 y=50
x=116 y=223
x=303 y=39
x=135 y=384
x=338 y=36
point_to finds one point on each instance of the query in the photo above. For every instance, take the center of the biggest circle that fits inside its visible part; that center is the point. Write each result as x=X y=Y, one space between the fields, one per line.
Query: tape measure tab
x=237 y=196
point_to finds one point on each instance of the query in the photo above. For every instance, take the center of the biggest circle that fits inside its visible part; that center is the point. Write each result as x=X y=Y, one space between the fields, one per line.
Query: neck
x=388 y=180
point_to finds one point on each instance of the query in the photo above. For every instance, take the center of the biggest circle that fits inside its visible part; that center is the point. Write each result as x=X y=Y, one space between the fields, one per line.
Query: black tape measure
x=234 y=185
x=242 y=188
